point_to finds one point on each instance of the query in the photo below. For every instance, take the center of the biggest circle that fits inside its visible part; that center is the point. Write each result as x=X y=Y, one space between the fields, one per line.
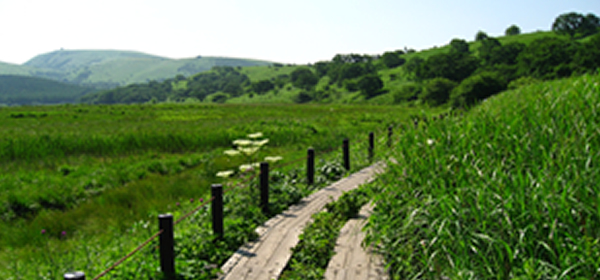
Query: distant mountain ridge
x=111 y=68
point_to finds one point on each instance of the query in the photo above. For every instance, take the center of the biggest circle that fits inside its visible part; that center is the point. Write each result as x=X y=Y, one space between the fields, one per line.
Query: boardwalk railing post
x=166 y=245
x=217 y=210
x=390 y=132
x=264 y=187
x=346 y=150
x=78 y=275
x=371 y=145
x=310 y=167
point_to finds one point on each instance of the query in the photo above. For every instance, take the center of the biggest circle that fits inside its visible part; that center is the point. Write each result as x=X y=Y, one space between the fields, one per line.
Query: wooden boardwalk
x=351 y=261
x=266 y=257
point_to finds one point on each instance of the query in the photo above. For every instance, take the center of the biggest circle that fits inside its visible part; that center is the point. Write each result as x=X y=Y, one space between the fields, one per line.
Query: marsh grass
x=130 y=163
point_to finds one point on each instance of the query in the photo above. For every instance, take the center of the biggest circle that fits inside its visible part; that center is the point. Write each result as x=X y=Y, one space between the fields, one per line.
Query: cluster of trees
x=463 y=76
x=24 y=90
x=223 y=79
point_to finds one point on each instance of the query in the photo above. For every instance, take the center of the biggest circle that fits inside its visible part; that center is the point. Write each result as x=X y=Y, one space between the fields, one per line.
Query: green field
x=509 y=191
x=93 y=177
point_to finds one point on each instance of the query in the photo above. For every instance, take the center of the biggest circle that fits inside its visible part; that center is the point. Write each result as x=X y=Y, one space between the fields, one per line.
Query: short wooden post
x=390 y=133
x=371 y=145
x=310 y=167
x=264 y=187
x=166 y=246
x=217 y=209
x=78 y=275
x=346 y=150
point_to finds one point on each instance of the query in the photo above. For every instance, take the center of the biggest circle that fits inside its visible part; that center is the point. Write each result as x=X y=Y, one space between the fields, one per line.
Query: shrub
x=523 y=81
x=303 y=97
x=437 y=91
x=476 y=88
x=408 y=92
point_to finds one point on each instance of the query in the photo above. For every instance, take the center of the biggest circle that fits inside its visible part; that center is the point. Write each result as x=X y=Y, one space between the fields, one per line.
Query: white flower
x=260 y=142
x=246 y=167
x=225 y=174
x=430 y=142
x=255 y=135
x=232 y=152
x=273 y=159
x=249 y=151
x=242 y=142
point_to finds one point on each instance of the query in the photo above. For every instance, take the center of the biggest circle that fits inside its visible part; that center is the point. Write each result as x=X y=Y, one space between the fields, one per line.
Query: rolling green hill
x=427 y=77
x=112 y=68
x=22 y=90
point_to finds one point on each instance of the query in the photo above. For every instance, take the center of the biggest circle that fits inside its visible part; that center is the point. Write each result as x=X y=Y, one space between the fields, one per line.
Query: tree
x=576 y=24
x=304 y=78
x=546 y=58
x=476 y=88
x=392 y=60
x=262 y=86
x=437 y=91
x=512 y=30
x=370 y=85
x=459 y=46
x=481 y=36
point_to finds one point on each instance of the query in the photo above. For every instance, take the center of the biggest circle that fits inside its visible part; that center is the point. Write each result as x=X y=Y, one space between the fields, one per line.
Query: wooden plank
x=266 y=257
x=351 y=261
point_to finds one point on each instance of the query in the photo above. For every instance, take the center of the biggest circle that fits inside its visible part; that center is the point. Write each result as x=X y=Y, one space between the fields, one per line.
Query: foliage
x=574 y=24
x=392 y=60
x=304 y=78
x=546 y=58
x=476 y=88
x=22 y=90
x=370 y=85
x=262 y=86
x=317 y=242
x=480 y=36
x=408 y=92
x=437 y=91
x=505 y=192
x=512 y=30
x=459 y=47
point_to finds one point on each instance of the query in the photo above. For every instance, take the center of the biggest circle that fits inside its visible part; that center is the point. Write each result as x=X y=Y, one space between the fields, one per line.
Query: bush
x=392 y=60
x=476 y=88
x=303 y=97
x=437 y=91
x=219 y=98
x=407 y=92
x=523 y=81
x=370 y=85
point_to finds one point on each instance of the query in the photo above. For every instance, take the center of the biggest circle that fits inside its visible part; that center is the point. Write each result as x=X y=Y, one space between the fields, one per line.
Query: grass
x=507 y=192
x=97 y=172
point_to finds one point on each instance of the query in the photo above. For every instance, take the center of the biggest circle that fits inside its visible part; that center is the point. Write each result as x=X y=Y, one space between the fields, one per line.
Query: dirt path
x=351 y=261
x=266 y=257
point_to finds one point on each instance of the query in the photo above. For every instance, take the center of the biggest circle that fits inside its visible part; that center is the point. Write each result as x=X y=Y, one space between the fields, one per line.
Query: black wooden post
x=390 y=133
x=166 y=245
x=346 y=149
x=78 y=275
x=371 y=145
x=310 y=167
x=217 y=210
x=264 y=187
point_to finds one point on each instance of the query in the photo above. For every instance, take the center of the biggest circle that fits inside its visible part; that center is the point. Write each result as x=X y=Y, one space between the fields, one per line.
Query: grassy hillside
x=111 y=68
x=509 y=191
x=19 y=90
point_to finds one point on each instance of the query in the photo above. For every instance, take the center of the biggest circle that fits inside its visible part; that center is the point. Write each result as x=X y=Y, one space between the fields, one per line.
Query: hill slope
x=112 y=68
x=20 y=90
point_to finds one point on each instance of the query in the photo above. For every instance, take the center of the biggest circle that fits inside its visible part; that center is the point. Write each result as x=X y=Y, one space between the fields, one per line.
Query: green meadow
x=82 y=184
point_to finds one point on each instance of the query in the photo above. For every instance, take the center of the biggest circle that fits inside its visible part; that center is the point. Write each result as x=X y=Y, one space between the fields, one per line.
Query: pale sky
x=302 y=31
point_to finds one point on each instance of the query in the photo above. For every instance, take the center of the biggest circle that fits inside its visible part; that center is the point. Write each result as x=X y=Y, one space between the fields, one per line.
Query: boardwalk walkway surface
x=266 y=257
x=351 y=261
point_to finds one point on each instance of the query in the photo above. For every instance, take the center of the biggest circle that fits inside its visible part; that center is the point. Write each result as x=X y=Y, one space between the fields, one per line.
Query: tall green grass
x=508 y=192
